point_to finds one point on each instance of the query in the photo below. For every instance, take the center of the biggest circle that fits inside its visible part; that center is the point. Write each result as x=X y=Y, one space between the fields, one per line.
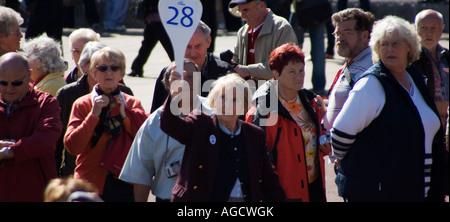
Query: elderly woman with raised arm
x=225 y=158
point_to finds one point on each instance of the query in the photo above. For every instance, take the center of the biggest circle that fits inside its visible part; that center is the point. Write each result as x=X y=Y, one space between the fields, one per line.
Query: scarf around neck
x=110 y=118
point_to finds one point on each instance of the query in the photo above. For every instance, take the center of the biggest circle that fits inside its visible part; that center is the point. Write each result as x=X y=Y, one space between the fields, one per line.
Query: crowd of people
x=82 y=136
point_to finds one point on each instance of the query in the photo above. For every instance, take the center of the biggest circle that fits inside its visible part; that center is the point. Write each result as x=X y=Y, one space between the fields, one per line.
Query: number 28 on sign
x=180 y=19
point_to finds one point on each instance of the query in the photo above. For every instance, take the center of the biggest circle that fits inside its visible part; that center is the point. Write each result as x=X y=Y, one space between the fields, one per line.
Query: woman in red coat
x=293 y=129
x=225 y=159
x=102 y=127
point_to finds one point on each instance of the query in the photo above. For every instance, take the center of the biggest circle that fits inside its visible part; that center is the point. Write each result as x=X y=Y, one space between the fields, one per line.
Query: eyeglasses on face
x=103 y=68
x=13 y=83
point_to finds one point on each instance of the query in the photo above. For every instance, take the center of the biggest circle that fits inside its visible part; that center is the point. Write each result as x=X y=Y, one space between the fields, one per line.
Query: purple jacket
x=201 y=135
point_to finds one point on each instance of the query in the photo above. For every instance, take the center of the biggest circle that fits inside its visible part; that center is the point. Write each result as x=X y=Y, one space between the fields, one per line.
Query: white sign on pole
x=180 y=19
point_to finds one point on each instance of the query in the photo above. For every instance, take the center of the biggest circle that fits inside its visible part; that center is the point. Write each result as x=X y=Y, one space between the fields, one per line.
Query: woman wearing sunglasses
x=102 y=127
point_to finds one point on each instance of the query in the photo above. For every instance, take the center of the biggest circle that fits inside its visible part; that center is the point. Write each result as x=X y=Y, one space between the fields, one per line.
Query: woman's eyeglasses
x=104 y=68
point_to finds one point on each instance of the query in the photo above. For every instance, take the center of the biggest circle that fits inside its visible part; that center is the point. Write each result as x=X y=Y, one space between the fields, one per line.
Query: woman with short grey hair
x=10 y=33
x=46 y=63
x=388 y=138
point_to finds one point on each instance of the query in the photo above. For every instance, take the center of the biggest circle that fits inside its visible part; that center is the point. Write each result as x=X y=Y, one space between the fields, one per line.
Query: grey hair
x=8 y=17
x=46 y=52
x=204 y=28
x=87 y=52
x=165 y=80
x=406 y=31
x=85 y=33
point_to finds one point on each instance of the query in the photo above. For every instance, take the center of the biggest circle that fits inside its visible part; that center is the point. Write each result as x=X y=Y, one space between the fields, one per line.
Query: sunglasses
x=13 y=83
x=104 y=68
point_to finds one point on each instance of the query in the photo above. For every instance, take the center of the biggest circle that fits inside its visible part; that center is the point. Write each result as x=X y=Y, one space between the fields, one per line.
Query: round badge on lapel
x=212 y=139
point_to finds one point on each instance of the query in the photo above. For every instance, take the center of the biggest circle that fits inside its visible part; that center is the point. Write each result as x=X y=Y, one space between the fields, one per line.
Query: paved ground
x=130 y=43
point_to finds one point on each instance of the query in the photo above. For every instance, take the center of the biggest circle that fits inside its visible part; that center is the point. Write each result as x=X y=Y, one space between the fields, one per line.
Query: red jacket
x=285 y=140
x=36 y=126
x=93 y=163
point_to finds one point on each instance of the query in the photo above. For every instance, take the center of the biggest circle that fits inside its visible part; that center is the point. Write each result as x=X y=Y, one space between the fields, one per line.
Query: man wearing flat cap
x=263 y=32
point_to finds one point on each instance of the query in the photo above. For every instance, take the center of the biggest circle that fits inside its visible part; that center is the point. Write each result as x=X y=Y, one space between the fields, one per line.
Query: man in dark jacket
x=211 y=68
x=433 y=63
x=434 y=59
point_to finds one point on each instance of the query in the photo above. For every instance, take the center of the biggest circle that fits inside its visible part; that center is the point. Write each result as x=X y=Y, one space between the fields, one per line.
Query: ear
x=209 y=41
x=366 y=34
x=85 y=67
x=276 y=74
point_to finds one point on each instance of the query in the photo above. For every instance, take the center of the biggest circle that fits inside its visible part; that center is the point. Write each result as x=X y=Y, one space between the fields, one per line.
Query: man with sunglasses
x=263 y=32
x=30 y=126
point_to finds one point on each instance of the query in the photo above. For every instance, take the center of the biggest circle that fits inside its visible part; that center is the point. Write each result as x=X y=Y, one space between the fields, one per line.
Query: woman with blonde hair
x=388 y=138
x=102 y=127
x=225 y=159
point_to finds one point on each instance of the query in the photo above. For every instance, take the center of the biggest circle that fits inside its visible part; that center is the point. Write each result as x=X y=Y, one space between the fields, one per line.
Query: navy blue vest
x=386 y=162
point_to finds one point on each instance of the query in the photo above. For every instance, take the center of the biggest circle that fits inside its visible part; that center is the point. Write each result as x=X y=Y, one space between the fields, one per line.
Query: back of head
x=46 y=52
x=59 y=190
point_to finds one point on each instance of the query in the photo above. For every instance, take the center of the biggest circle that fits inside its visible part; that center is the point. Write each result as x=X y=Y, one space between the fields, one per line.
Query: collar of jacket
x=266 y=29
x=27 y=100
x=263 y=94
